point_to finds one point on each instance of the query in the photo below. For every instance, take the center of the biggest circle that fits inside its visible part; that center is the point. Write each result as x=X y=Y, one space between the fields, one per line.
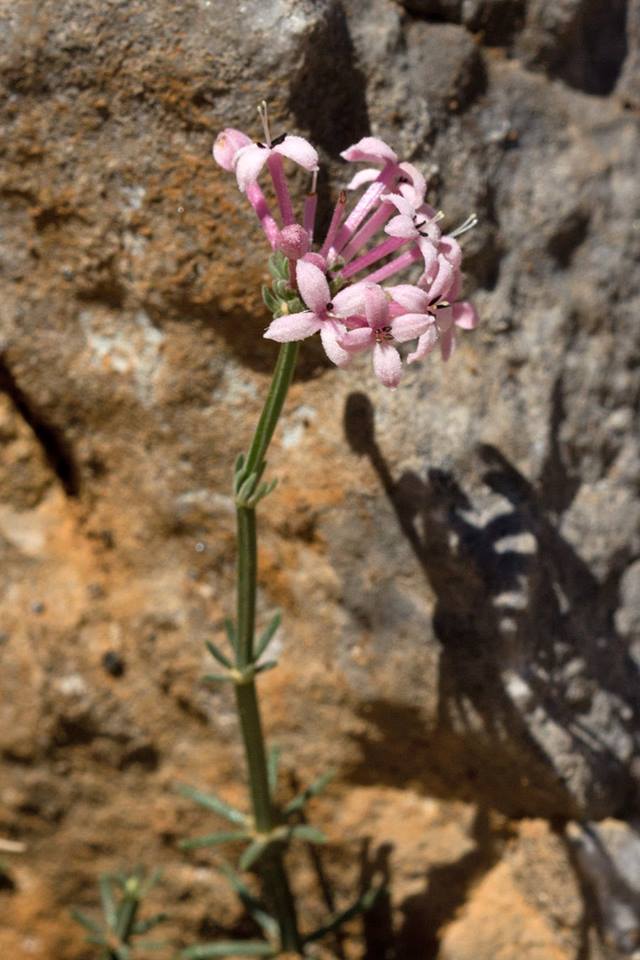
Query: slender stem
x=272 y=868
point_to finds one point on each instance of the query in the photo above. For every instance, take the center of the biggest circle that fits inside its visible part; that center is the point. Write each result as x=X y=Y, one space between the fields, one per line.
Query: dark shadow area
x=56 y=449
x=540 y=614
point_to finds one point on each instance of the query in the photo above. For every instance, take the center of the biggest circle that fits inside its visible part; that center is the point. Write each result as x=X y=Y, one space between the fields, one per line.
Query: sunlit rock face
x=456 y=561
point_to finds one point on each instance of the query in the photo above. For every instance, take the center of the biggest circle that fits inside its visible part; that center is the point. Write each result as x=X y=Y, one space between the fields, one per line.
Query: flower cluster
x=335 y=290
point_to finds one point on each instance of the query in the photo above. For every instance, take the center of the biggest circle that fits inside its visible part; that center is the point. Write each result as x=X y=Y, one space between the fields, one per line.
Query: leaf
x=88 y=924
x=305 y=795
x=143 y=926
x=251 y=904
x=269 y=299
x=108 y=903
x=267 y=665
x=268 y=634
x=252 y=854
x=361 y=905
x=217 y=654
x=225 y=948
x=303 y=831
x=217 y=678
x=213 y=802
x=278 y=265
x=247 y=488
x=151 y=944
x=213 y=839
x=273 y=762
x=231 y=632
x=239 y=463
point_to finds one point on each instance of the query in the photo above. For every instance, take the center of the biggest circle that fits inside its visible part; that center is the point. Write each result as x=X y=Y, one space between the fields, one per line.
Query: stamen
x=263 y=113
x=469 y=224
x=314 y=182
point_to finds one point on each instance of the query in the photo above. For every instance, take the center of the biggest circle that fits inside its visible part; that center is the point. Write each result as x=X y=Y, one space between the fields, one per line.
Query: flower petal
x=426 y=343
x=299 y=150
x=249 y=162
x=371 y=149
x=358 y=339
x=414 y=191
x=450 y=247
x=411 y=325
x=411 y=297
x=465 y=315
x=331 y=334
x=313 y=286
x=376 y=306
x=387 y=364
x=350 y=300
x=362 y=177
x=293 y=326
x=448 y=343
x=402 y=205
x=228 y=142
x=401 y=226
x=442 y=282
x=429 y=253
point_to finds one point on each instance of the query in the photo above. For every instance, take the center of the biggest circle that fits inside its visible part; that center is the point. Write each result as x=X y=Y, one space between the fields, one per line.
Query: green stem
x=272 y=866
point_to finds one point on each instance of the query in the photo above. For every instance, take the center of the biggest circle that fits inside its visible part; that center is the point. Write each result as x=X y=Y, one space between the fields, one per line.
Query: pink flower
x=252 y=158
x=375 y=331
x=370 y=149
x=413 y=224
x=323 y=313
x=226 y=147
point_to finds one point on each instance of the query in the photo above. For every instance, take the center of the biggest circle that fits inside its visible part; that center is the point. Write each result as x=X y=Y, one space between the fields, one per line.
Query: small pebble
x=113 y=663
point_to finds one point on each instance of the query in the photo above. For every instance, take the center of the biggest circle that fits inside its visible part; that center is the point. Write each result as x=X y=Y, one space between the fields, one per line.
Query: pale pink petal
x=411 y=325
x=371 y=149
x=331 y=334
x=313 y=286
x=349 y=300
x=450 y=247
x=401 y=226
x=426 y=343
x=444 y=318
x=227 y=145
x=465 y=315
x=293 y=326
x=429 y=253
x=376 y=306
x=317 y=260
x=448 y=343
x=249 y=162
x=299 y=150
x=442 y=281
x=358 y=339
x=387 y=364
x=402 y=205
x=410 y=297
x=415 y=190
x=362 y=177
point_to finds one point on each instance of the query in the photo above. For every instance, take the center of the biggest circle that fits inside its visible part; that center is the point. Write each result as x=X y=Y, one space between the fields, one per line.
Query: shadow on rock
x=537 y=695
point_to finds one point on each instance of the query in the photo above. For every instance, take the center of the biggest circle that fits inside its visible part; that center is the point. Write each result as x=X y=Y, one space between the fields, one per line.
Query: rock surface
x=460 y=589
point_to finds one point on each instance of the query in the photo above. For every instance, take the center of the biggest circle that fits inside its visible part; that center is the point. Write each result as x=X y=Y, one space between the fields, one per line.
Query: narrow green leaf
x=298 y=802
x=269 y=300
x=122 y=952
x=280 y=287
x=226 y=948
x=268 y=634
x=231 y=632
x=239 y=463
x=273 y=762
x=247 y=488
x=213 y=802
x=217 y=654
x=361 y=905
x=252 y=854
x=217 y=678
x=143 y=926
x=151 y=944
x=88 y=923
x=108 y=903
x=251 y=904
x=267 y=665
x=213 y=839
x=302 y=831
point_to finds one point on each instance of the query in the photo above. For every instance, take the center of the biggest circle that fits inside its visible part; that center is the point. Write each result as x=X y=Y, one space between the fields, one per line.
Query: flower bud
x=293 y=241
x=226 y=146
